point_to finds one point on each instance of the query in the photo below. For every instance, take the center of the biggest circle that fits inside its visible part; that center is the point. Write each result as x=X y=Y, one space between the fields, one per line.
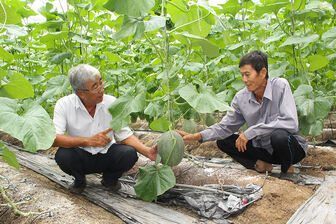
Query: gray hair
x=80 y=74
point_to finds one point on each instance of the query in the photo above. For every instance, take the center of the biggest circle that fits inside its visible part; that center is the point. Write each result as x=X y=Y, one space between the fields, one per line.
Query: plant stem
x=155 y=47
x=12 y=205
x=166 y=59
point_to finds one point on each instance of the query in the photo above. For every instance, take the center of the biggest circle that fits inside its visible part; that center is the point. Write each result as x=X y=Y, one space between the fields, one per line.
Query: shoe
x=114 y=186
x=262 y=166
x=78 y=189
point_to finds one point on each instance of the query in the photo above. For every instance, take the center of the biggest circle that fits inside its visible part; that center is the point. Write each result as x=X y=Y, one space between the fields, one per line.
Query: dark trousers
x=286 y=150
x=78 y=162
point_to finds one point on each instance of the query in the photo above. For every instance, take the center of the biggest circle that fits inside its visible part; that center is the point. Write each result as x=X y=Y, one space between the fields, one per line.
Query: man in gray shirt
x=268 y=108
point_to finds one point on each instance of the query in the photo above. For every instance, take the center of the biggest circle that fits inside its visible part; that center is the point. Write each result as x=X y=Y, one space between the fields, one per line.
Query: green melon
x=197 y=117
x=165 y=145
x=189 y=126
x=209 y=120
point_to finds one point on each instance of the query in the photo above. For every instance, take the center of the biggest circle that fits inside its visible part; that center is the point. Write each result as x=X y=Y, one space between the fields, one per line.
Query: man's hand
x=189 y=138
x=100 y=139
x=153 y=152
x=241 y=143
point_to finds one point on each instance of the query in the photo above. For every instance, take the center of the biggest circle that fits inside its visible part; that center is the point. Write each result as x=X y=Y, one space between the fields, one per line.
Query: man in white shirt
x=86 y=142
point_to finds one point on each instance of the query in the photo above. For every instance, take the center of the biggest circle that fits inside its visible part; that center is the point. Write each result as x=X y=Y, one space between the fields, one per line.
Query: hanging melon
x=189 y=126
x=209 y=120
x=166 y=147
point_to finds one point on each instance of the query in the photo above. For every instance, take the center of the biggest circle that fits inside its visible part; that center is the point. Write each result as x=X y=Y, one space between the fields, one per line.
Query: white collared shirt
x=71 y=116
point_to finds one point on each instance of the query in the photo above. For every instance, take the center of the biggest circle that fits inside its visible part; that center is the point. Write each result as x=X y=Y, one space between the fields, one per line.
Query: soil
x=281 y=197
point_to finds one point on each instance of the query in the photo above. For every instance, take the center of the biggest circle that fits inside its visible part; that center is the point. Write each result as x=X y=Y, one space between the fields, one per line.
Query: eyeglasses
x=97 y=89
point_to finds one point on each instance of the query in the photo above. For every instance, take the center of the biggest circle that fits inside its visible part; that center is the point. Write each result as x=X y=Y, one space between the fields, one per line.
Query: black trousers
x=78 y=162
x=286 y=150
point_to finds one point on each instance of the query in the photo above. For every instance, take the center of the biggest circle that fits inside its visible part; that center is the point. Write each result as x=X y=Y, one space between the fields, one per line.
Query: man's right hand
x=100 y=139
x=189 y=138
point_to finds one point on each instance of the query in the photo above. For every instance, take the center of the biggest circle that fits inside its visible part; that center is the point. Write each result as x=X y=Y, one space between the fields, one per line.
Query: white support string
x=5 y=16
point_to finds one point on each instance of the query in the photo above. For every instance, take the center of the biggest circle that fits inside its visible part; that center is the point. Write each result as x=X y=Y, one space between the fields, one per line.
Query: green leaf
x=139 y=31
x=50 y=37
x=9 y=157
x=128 y=28
x=138 y=26
x=55 y=86
x=270 y=6
x=153 y=181
x=299 y=4
x=190 y=21
x=28 y=122
x=80 y=39
x=230 y=7
x=208 y=48
x=203 y=100
x=300 y=40
x=112 y=57
x=161 y=124
x=154 y=109
x=135 y=8
x=59 y=58
x=329 y=35
x=307 y=108
x=18 y=87
x=121 y=108
x=11 y=17
x=317 y=62
x=154 y=23
x=322 y=107
x=238 y=84
x=5 y=55
x=15 y=30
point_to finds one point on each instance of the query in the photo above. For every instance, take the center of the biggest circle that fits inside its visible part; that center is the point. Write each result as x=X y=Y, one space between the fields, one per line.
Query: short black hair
x=257 y=59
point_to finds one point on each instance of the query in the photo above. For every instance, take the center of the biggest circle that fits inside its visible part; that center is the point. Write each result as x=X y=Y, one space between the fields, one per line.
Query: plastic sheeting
x=214 y=202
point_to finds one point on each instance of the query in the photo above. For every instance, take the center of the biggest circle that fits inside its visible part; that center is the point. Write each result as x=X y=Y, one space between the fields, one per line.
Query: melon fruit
x=189 y=126
x=165 y=145
x=209 y=120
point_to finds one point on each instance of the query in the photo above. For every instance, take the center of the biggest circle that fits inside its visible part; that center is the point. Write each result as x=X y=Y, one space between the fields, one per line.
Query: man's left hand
x=241 y=143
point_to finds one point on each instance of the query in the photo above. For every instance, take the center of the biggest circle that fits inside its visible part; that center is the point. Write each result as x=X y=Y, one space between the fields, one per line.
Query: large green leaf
x=135 y=8
x=55 y=86
x=312 y=110
x=196 y=21
x=300 y=40
x=18 y=87
x=5 y=55
x=132 y=25
x=9 y=156
x=153 y=181
x=208 y=48
x=203 y=99
x=317 y=62
x=28 y=122
x=121 y=108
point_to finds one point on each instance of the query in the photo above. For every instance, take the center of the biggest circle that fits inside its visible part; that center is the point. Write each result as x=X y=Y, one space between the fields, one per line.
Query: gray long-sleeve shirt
x=277 y=111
